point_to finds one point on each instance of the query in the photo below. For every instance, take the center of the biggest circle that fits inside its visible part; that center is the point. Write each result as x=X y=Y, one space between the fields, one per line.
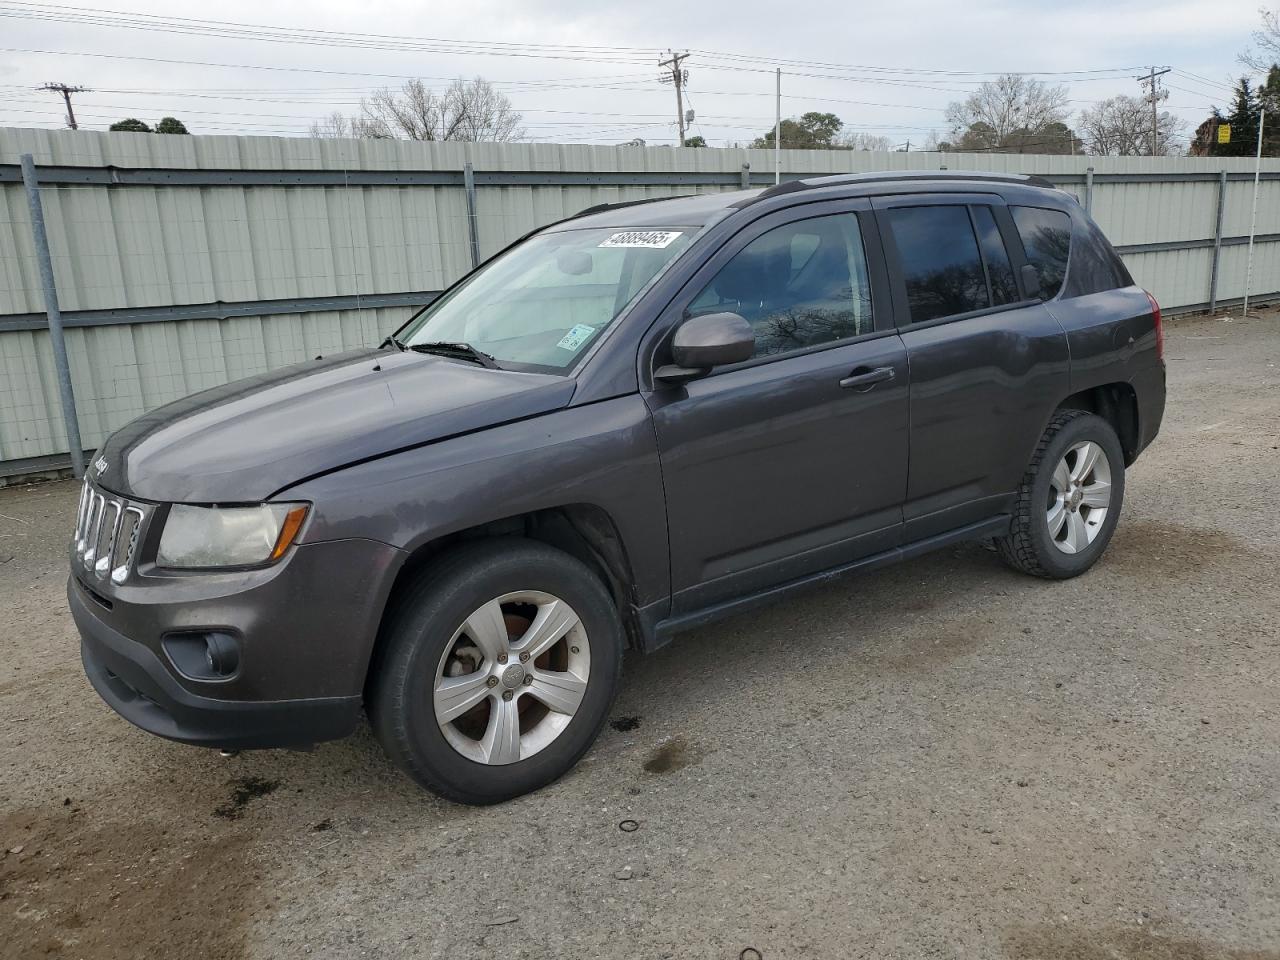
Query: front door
x=794 y=461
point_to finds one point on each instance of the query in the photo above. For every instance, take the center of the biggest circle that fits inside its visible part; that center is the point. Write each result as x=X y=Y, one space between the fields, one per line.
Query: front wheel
x=499 y=669
x=1069 y=501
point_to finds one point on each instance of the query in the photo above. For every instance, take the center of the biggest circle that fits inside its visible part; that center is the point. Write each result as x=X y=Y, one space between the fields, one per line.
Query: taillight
x=1155 y=316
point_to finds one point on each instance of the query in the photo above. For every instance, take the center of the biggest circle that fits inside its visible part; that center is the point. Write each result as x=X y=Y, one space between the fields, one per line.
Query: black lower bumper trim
x=135 y=684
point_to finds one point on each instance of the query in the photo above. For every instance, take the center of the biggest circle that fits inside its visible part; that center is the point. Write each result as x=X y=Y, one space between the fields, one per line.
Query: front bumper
x=136 y=684
x=305 y=629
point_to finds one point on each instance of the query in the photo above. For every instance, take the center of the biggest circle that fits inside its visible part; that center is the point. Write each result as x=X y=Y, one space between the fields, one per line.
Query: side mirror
x=1031 y=282
x=711 y=340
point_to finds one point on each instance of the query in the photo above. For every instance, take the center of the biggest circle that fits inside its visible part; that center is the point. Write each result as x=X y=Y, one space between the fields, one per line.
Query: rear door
x=988 y=364
x=794 y=461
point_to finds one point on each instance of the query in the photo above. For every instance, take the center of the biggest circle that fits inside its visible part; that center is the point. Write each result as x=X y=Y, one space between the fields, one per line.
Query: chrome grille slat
x=96 y=510
x=107 y=540
x=107 y=532
x=120 y=571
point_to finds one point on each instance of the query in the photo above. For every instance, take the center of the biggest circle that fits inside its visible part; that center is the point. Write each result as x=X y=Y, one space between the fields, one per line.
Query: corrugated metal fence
x=184 y=262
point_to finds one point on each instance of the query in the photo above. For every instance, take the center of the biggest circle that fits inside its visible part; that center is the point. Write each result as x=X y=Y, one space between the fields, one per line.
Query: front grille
x=107 y=531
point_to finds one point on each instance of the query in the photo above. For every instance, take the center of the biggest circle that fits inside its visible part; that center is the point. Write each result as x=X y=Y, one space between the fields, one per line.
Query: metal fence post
x=41 y=239
x=1088 y=191
x=473 y=226
x=1217 y=242
x=746 y=176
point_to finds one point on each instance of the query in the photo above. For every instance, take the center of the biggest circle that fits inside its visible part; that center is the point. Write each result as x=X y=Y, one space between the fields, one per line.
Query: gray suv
x=625 y=425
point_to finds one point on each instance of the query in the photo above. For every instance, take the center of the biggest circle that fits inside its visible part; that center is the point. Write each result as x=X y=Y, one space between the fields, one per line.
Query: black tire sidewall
x=1088 y=427
x=404 y=710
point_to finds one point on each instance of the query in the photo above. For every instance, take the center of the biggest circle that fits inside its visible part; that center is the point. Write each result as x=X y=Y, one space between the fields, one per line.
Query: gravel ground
x=944 y=759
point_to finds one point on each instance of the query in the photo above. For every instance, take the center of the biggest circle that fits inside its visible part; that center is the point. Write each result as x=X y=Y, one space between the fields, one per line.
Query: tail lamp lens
x=1155 y=315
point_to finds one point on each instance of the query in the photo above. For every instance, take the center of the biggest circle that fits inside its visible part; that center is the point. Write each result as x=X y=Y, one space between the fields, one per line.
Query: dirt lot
x=945 y=759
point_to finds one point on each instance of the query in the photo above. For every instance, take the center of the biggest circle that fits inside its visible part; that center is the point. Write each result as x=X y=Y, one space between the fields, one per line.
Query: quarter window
x=940 y=261
x=799 y=285
x=1046 y=236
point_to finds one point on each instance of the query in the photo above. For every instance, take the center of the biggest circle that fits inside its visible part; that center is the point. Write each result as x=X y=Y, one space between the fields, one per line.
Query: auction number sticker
x=654 y=239
x=576 y=337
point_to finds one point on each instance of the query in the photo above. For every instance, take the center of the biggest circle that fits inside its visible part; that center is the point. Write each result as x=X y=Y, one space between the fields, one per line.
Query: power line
x=96 y=16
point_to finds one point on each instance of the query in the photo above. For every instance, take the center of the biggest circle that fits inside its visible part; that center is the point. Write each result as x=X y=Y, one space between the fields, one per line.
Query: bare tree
x=1121 y=127
x=469 y=110
x=1266 y=49
x=337 y=126
x=1010 y=111
x=865 y=141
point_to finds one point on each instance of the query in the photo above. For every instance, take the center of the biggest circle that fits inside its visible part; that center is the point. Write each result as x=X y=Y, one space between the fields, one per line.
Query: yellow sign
x=1224 y=133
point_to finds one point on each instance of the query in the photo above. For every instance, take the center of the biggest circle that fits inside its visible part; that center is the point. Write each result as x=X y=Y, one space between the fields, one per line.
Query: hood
x=244 y=441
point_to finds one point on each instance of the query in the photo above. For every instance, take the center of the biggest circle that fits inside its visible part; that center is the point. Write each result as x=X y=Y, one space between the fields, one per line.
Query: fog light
x=222 y=654
x=203 y=654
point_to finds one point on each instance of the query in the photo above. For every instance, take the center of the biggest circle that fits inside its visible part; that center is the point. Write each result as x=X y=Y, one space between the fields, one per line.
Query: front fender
x=602 y=454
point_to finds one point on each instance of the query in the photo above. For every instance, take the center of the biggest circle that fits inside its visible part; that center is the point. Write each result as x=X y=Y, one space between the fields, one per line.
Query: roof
x=691 y=211
x=699 y=209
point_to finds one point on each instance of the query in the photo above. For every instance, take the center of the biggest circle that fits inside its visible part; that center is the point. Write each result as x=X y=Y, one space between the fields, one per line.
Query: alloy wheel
x=1079 y=497
x=512 y=677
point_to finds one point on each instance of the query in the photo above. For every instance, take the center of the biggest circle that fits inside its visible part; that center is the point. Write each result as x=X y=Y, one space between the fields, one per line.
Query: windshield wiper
x=457 y=350
x=392 y=341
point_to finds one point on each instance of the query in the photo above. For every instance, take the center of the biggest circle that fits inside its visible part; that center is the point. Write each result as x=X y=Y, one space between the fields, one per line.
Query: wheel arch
x=1117 y=403
x=582 y=530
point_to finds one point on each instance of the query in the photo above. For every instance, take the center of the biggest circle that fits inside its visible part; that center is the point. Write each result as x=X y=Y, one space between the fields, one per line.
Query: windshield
x=543 y=303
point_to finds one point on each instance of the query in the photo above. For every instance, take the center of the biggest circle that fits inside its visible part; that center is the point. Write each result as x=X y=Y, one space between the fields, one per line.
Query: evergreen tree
x=170 y=125
x=1244 y=124
x=1269 y=100
x=131 y=125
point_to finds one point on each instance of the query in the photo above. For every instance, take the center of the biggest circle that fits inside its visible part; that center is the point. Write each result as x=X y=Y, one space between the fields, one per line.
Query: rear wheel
x=1069 y=500
x=500 y=665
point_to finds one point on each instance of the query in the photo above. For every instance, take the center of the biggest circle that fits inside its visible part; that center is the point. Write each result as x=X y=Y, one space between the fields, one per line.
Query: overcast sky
x=600 y=85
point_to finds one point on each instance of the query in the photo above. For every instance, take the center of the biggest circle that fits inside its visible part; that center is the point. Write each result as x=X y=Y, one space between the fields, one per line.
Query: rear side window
x=940 y=261
x=1046 y=236
x=999 y=270
x=1094 y=264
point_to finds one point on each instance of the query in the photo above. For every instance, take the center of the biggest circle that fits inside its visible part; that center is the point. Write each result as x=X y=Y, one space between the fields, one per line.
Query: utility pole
x=1154 y=96
x=1253 y=217
x=67 y=90
x=678 y=77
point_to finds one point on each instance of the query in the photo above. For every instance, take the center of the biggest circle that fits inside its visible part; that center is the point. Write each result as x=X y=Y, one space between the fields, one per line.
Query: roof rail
x=602 y=207
x=814 y=183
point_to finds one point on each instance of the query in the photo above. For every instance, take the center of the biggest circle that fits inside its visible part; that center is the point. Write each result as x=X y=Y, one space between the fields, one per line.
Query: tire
x=1049 y=537
x=438 y=634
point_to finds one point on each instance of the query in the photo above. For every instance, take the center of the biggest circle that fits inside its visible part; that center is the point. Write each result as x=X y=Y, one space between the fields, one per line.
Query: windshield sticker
x=576 y=337
x=654 y=239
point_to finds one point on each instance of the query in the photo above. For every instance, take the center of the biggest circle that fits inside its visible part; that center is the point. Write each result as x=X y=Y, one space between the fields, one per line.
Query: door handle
x=864 y=378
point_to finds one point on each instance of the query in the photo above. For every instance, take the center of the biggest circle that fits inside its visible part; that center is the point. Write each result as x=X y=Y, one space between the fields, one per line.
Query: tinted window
x=798 y=285
x=1094 y=264
x=996 y=257
x=1046 y=236
x=940 y=261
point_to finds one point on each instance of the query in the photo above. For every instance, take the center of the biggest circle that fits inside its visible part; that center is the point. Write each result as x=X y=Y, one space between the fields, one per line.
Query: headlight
x=228 y=536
